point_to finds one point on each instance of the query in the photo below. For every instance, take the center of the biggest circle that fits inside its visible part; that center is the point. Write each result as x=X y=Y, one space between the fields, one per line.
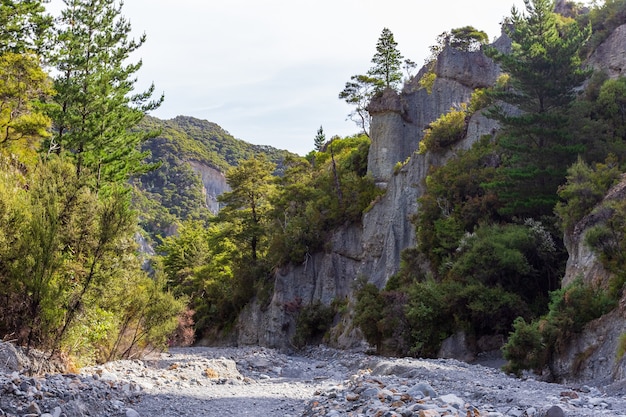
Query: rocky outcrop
x=592 y=355
x=610 y=56
x=213 y=184
x=373 y=248
x=399 y=120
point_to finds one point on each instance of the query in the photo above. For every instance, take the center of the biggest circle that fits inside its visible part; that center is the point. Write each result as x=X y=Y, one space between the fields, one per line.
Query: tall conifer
x=544 y=68
x=387 y=69
x=24 y=26
x=98 y=108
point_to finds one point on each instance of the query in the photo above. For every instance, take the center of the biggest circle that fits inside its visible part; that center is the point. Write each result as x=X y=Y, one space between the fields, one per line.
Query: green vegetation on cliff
x=490 y=253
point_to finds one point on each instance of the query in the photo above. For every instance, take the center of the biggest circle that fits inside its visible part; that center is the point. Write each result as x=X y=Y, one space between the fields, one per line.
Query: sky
x=269 y=71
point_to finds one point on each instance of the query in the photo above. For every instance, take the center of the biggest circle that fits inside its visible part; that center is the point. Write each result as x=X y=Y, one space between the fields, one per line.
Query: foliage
x=174 y=191
x=428 y=81
x=387 y=63
x=608 y=239
x=358 y=92
x=97 y=106
x=467 y=38
x=448 y=129
x=247 y=206
x=71 y=265
x=24 y=27
x=312 y=323
x=22 y=85
x=319 y=140
x=531 y=345
x=603 y=17
x=521 y=259
x=545 y=69
x=455 y=201
x=313 y=199
x=524 y=349
x=198 y=263
x=386 y=73
x=584 y=189
x=368 y=313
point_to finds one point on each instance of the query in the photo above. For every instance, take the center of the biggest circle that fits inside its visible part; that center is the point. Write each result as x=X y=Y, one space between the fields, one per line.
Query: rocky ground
x=254 y=381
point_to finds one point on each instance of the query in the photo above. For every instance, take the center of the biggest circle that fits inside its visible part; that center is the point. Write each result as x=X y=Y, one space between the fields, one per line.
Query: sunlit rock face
x=610 y=56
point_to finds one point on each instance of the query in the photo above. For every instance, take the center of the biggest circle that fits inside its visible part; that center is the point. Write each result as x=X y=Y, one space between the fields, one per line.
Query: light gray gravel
x=326 y=382
x=318 y=382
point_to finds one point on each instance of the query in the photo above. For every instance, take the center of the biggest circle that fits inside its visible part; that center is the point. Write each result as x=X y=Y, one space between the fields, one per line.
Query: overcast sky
x=269 y=71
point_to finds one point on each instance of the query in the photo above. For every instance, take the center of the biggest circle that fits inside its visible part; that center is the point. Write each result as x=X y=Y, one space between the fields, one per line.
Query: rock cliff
x=372 y=249
x=593 y=354
x=213 y=184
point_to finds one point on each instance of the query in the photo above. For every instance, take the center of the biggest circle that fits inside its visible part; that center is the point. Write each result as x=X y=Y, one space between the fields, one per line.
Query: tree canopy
x=97 y=107
x=386 y=73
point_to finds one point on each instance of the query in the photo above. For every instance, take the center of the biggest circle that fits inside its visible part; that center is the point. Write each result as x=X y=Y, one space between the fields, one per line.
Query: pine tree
x=387 y=69
x=320 y=139
x=97 y=108
x=544 y=69
x=248 y=205
x=386 y=73
x=24 y=26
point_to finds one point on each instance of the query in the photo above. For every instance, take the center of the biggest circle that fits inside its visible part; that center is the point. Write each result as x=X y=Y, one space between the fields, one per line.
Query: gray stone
x=555 y=411
x=131 y=413
x=453 y=400
x=422 y=388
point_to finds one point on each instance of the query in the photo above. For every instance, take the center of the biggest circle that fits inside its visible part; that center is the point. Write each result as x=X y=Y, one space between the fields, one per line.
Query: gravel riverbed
x=254 y=381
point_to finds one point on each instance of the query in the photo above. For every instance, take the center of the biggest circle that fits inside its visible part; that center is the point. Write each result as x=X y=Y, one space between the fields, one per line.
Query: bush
x=448 y=129
x=368 y=313
x=312 y=324
x=525 y=348
x=531 y=345
x=586 y=186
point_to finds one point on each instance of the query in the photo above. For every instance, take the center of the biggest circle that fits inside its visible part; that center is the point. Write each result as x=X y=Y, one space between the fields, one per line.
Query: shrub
x=312 y=323
x=368 y=313
x=586 y=186
x=448 y=129
x=428 y=81
x=531 y=345
x=525 y=348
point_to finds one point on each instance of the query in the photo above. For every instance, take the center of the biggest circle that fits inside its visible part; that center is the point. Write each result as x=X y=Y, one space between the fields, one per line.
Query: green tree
x=247 y=205
x=24 y=26
x=97 y=106
x=545 y=69
x=358 y=92
x=586 y=186
x=320 y=139
x=387 y=69
x=467 y=38
x=386 y=73
x=22 y=84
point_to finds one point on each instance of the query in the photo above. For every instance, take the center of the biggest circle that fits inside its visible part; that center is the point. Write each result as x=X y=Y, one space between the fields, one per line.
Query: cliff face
x=213 y=184
x=373 y=248
x=592 y=355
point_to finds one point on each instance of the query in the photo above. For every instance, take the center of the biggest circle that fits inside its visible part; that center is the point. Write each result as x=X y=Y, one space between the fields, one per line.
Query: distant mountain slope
x=204 y=141
x=194 y=155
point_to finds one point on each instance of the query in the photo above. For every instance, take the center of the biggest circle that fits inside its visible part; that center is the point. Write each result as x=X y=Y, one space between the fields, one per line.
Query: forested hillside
x=174 y=191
